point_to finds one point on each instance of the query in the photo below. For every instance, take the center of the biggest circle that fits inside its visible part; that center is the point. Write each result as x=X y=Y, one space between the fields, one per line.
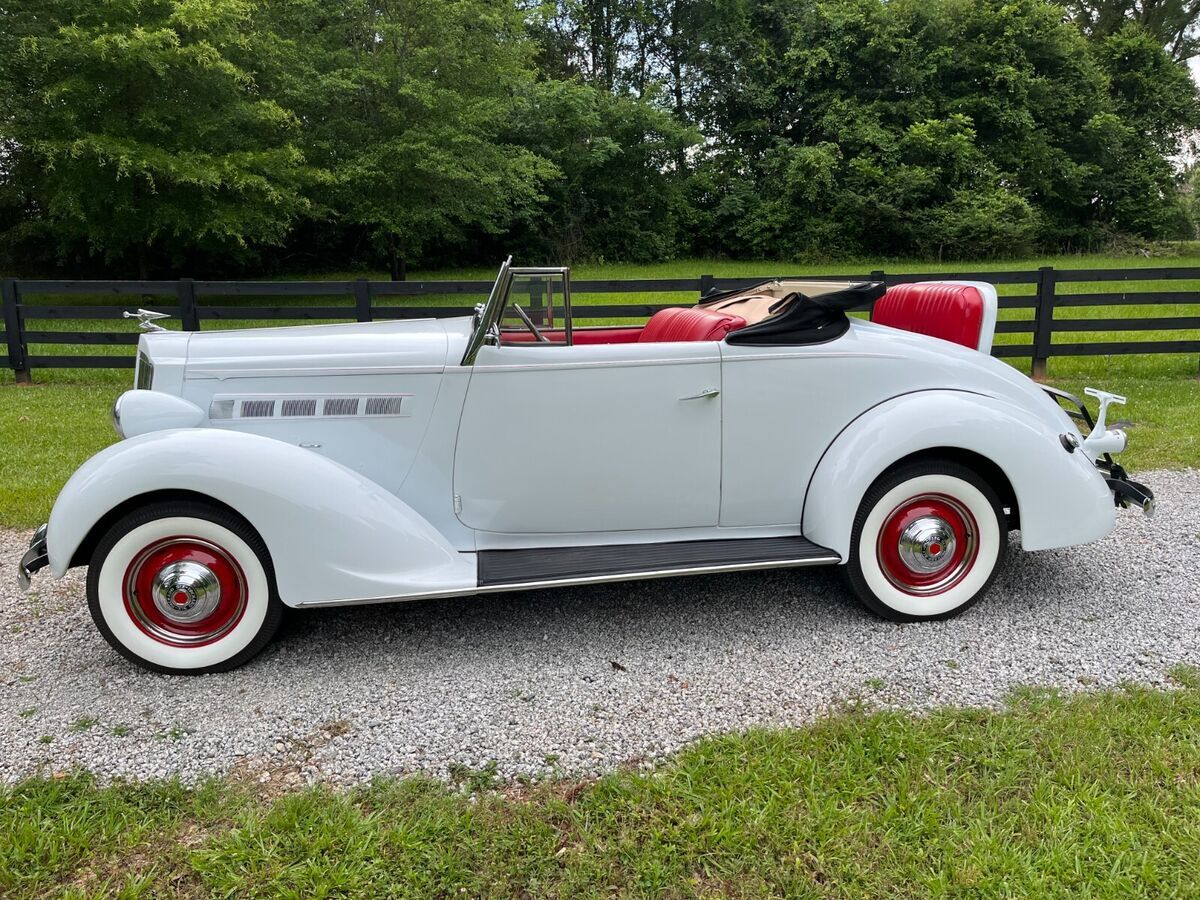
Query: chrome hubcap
x=927 y=544
x=186 y=591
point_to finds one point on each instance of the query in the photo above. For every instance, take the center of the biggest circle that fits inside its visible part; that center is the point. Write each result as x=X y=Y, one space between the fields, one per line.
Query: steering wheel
x=529 y=324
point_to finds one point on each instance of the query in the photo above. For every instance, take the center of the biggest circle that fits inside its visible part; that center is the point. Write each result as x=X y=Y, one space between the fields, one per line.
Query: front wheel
x=183 y=588
x=927 y=541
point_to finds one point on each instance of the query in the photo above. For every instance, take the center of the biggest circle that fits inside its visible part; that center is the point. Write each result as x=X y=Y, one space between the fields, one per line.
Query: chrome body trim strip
x=319 y=372
x=594 y=364
x=832 y=559
x=848 y=354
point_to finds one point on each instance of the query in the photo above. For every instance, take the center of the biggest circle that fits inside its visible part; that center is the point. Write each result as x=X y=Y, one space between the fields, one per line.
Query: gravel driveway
x=584 y=679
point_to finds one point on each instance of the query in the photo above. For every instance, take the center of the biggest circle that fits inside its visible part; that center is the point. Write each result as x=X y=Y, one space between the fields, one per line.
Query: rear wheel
x=927 y=541
x=183 y=588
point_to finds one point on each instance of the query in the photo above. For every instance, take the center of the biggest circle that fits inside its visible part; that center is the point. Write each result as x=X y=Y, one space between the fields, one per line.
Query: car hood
x=365 y=348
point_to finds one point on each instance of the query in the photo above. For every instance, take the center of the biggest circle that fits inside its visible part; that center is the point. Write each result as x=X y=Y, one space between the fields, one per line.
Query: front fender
x=332 y=534
x=1062 y=498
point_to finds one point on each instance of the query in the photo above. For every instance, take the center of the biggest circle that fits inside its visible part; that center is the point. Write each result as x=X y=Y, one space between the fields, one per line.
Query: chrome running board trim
x=831 y=559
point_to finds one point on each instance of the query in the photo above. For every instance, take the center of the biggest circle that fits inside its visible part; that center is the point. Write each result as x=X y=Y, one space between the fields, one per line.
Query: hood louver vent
x=258 y=409
x=298 y=408
x=384 y=406
x=293 y=407
x=341 y=406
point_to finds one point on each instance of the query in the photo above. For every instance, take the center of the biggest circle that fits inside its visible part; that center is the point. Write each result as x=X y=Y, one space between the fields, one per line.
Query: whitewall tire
x=927 y=541
x=183 y=587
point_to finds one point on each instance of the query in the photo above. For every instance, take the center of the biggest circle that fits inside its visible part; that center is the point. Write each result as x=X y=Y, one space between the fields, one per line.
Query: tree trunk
x=676 y=64
x=397 y=263
x=143 y=263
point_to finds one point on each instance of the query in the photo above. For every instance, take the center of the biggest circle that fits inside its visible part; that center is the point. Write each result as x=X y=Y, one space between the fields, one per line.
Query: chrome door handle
x=703 y=395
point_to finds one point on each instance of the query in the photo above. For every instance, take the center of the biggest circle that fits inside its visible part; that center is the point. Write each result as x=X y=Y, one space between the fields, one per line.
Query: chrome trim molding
x=846 y=354
x=593 y=364
x=222 y=374
x=832 y=559
x=143 y=378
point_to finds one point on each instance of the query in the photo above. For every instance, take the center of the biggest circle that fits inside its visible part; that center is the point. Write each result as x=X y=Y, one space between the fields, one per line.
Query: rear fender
x=1062 y=498
x=332 y=534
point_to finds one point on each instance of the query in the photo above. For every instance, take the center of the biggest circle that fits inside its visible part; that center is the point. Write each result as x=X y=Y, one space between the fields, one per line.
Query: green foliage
x=1154 y=106
x=186 y=133
x=618 y=190
x=947 y=128
x=137 y=124
x=402 y=102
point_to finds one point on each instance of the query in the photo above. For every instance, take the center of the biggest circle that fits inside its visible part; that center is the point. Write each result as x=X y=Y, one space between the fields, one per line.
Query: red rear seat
x=691 y=323
x=952 y=312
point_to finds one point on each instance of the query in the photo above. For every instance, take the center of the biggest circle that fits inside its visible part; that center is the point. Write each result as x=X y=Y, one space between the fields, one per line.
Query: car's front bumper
x=35 y=558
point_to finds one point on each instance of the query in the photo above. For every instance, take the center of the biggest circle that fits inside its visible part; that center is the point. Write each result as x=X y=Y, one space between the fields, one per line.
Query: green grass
x=1092 y=795
x=46 y=432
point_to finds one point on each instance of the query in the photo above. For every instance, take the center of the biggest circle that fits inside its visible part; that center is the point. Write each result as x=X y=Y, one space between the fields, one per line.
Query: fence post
x=537 y=305
x=189 y=314
x=14 y=328
x=362 y=299
x=876 y=275
x=706 y=285
x=1043 y=320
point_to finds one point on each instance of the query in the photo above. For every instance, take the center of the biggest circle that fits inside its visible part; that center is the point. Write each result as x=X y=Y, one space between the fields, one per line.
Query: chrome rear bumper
x=35 y=558
x=1126 y=492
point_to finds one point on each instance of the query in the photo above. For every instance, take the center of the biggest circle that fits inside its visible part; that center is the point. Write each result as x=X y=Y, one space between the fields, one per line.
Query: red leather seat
x=953 y=312
x=691 y=323
x=580 y=336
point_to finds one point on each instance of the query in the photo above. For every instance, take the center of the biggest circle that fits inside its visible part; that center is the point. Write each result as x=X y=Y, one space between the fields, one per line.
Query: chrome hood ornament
x=146 y=319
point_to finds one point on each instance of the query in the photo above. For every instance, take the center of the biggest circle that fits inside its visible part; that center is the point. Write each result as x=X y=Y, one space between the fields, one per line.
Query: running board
x=546 y=566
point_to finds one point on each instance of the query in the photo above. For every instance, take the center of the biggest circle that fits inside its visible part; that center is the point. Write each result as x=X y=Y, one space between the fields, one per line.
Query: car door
x=590 y=438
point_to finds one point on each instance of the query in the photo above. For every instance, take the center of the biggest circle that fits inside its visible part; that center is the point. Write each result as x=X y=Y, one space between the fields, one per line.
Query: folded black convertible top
x=809 y=320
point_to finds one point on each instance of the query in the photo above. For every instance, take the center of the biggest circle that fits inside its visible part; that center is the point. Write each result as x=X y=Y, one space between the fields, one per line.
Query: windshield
x=535 y=302
x=487 y=314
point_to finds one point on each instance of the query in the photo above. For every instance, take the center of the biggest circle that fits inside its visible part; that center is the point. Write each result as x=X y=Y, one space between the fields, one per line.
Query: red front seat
x=691 y=323
x=960 y=312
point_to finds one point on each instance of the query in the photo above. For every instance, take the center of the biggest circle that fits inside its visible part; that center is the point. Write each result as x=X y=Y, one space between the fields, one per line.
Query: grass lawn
x=1090 y=795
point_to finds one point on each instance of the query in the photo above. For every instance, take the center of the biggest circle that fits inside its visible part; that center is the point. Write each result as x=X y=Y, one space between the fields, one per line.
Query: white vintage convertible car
x=332 y=465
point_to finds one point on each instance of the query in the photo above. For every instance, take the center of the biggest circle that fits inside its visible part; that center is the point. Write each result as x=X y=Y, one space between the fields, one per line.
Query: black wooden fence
x=195 y=302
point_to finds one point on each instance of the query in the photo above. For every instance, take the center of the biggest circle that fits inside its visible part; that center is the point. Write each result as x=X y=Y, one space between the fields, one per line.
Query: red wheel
x=928 y=544
x=927 y=540
x=183 y=588
x=185 y=592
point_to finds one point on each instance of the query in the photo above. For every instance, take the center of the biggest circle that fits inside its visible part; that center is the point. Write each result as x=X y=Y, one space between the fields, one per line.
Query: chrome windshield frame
x=488 y=314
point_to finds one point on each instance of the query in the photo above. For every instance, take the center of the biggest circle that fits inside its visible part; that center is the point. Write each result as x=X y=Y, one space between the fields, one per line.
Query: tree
x=137 y=127
x=1173 y=23
x=1154 y=109
x=864 y=126
x=403 y=102
x=618 y=193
